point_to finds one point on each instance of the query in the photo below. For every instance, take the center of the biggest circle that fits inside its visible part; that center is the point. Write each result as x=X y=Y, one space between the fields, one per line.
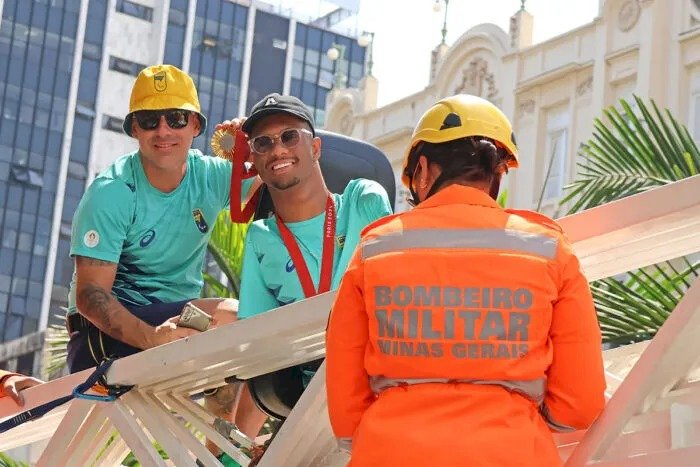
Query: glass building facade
x=47 y=133
x=314 y=74
x=37 y=48
x=216 y=61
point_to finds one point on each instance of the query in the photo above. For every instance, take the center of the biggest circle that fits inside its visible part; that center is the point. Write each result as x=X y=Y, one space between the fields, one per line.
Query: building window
x=178 y=18
x=28 y=177
x=555 y=169
x=695 y=112
x=694 y=107
x=125 y=66
x=314 y=74
x=696 y=8
x=112 y=123
x=556 y=150
x=218 y=39
x=134 y=9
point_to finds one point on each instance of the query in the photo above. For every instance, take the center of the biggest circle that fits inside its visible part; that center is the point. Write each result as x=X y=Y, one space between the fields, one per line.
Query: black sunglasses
x=150 y=119
x=289 y=138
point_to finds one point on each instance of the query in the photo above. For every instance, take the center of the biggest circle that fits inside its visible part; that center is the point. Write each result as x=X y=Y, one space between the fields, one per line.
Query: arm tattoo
x=101 y=309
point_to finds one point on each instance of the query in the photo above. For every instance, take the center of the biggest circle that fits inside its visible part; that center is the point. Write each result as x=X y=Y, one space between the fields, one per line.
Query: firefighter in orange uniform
x=462 y=333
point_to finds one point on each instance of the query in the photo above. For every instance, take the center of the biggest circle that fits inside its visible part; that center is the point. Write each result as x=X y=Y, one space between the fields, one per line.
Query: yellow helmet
x=161 y=87
x=461 y=116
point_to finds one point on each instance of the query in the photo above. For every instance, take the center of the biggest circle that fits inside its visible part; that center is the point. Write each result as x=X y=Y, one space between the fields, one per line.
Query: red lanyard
x=324 y=282
x=238 y=173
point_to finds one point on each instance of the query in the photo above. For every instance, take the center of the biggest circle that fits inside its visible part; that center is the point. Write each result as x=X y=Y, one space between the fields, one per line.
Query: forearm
x=576 y=377
x=348 y=391
x=4 y=376
x=111 y=317
x=575 y=386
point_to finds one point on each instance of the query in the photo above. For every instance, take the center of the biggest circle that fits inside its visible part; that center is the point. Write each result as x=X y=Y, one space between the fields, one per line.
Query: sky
x=407 y=30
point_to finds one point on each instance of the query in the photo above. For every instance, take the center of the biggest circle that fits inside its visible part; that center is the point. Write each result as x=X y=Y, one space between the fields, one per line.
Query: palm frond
x=7 y=461
x=634 y=149
x=226 y=247
x=503 y=198
x=55 y=349
x=634 y=309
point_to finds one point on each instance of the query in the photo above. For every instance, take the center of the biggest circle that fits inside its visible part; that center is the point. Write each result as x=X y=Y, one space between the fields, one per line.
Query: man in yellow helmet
x=460 y=324
x=141 y=229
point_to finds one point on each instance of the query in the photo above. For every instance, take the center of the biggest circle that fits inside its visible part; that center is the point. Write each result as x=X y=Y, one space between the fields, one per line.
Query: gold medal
x=222 y=144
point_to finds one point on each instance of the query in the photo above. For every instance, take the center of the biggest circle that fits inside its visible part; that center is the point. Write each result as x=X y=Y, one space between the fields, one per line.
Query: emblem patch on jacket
x=200 y=221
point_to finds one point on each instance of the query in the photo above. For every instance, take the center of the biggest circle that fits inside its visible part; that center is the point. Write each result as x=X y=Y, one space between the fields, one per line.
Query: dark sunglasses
x=289 y=138
x=150 y=119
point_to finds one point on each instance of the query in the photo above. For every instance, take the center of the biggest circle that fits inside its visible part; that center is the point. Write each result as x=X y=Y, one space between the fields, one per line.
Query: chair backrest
x=344 y=159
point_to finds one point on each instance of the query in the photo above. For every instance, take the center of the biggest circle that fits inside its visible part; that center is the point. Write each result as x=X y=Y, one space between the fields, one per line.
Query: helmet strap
x=439 y=181
x=413 y=200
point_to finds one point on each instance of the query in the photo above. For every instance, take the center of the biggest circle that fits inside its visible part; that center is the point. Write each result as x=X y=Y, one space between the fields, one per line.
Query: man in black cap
x=304 y=249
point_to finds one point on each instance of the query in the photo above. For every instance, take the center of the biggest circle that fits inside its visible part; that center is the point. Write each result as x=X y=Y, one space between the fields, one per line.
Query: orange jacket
x=459 y=290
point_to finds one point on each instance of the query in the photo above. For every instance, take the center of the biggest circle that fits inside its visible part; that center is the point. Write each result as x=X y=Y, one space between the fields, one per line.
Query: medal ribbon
x=324 y=283
x=238 y=173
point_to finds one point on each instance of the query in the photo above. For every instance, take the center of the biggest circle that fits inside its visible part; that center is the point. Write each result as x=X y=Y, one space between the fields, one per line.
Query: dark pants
x=88 y=346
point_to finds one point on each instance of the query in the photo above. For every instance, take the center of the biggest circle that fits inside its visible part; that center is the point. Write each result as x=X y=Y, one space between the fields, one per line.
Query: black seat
x=342 y=159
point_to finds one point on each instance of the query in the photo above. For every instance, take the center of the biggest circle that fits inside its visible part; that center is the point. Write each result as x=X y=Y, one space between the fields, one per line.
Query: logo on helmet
x=451 y=121
x=159 y=81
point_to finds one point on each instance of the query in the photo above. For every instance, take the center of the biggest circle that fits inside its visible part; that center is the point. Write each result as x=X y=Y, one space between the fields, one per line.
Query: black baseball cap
x=274 y=104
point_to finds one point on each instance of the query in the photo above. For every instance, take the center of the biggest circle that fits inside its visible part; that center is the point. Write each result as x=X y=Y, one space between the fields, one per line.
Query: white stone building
x=551 y=91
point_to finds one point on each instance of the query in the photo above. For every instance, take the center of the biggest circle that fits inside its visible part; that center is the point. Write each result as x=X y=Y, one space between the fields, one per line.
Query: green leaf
x=7 y=461
x=633 y=149
x=226 y=247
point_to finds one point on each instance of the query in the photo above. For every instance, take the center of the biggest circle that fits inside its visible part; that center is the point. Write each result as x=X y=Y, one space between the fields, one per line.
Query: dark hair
x=471 y=159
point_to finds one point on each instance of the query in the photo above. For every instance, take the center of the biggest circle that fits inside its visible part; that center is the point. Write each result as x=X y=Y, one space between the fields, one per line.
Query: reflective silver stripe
x=344 y=444
x=552 y=423
x=514 y=240
x=532 y=389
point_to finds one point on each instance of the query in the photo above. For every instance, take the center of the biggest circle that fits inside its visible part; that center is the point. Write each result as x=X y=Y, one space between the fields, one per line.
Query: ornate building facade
x=552 y=91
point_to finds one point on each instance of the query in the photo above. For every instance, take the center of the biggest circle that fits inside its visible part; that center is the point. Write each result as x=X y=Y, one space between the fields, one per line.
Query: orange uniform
x=461 y=335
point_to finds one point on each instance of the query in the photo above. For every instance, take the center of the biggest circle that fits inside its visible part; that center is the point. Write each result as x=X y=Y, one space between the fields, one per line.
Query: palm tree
x=636 y=149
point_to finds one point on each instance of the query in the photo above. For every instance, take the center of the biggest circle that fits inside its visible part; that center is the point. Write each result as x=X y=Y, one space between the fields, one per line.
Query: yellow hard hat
x=162 y=87
x=461 y=116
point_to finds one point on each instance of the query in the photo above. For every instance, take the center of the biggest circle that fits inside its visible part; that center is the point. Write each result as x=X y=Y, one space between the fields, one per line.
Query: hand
x=169 y=331
x=233 y=124
x=222 y=317
x=16 y=383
